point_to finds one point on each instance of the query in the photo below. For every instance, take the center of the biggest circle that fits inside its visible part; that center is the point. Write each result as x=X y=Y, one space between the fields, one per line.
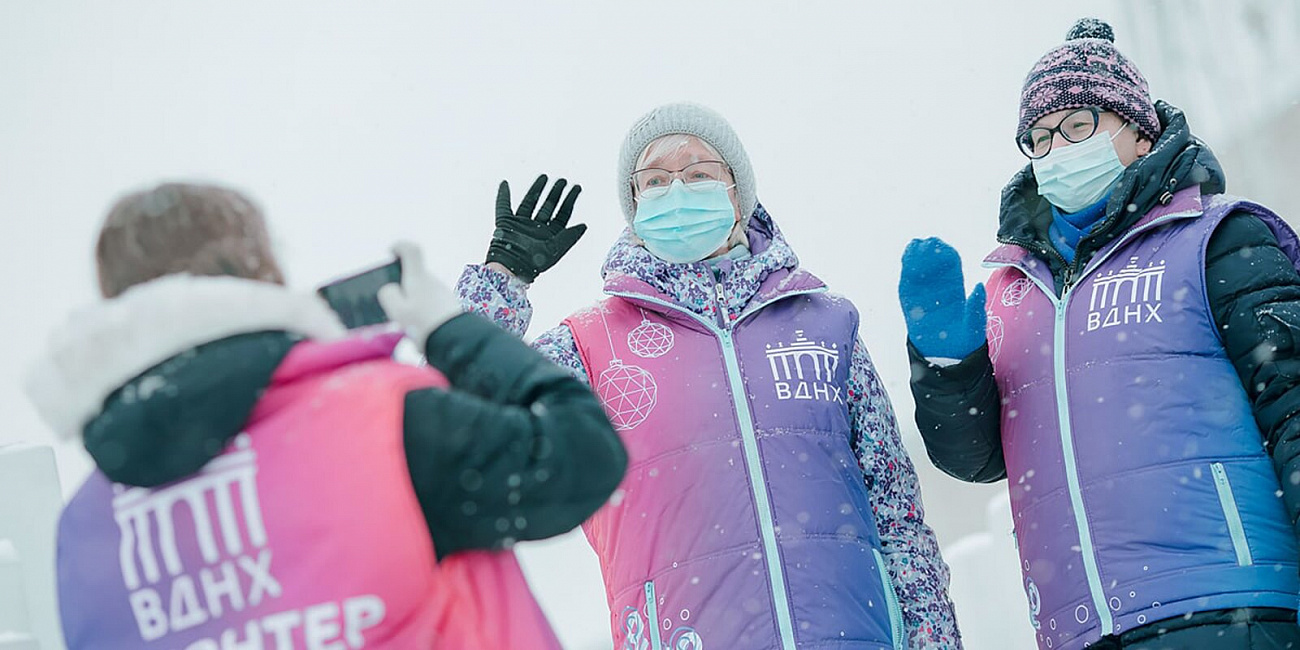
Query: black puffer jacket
x=515 y=435
x=1254 y=292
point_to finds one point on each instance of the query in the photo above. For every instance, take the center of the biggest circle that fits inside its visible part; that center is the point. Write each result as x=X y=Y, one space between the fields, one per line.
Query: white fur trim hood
x=102 y=347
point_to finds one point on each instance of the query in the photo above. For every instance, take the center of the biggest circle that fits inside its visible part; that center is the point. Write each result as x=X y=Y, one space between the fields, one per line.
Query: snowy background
x=356 y=124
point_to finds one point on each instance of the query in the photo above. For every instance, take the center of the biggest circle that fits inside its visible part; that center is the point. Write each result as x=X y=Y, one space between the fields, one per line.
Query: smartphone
x=355 y=298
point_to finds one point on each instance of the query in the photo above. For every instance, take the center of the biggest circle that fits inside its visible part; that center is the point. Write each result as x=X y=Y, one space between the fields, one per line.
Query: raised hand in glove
x=942 y=321
x=527 y=244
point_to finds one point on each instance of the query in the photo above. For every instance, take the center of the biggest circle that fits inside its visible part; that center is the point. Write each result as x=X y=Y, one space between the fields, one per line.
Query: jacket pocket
x=891 y=602
x=1230 y=513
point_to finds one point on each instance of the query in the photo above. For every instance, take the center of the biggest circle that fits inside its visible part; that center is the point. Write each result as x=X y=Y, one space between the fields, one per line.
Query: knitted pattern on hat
x=691 y=119
x=1087 y=70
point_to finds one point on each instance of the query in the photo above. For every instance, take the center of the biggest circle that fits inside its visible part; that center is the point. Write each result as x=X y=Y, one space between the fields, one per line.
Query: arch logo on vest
x=1129 y=296
x=172 y=590
x=805 y=370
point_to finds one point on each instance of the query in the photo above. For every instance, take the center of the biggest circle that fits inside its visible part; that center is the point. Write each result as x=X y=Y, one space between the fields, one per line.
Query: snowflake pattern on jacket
x=919 y=573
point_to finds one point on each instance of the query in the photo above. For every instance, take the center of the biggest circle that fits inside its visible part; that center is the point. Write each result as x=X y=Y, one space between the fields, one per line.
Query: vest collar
x=769 y=273
x=1184 y=204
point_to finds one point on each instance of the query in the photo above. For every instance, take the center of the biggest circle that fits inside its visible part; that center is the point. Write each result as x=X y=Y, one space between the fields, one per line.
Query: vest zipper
x=753 y=461
x=1091 y=566
x=722 y=305
x=1231 y=515
x=758 y=484
x=652 y=614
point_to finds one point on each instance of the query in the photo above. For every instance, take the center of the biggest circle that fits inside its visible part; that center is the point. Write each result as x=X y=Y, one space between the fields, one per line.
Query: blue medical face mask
x=1075 y=177
x=685 y=225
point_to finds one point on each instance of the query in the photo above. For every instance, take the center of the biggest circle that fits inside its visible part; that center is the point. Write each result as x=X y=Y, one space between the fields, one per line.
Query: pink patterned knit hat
x=1087 y=70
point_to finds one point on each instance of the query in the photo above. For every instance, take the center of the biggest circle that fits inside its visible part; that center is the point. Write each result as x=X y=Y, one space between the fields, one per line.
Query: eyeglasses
x=653 y=182
x=1076 y=127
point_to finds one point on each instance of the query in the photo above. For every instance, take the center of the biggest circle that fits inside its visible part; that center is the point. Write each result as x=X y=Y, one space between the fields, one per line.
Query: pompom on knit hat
x=1087 y=70
x=690 y=119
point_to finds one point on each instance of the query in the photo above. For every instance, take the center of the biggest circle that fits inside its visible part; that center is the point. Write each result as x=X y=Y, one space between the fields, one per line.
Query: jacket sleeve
x=1254 y=292
x=517 y=448
x=504 y=301
x=560 y=348
x=919 y=573
x=502 y=298
x=959 y=413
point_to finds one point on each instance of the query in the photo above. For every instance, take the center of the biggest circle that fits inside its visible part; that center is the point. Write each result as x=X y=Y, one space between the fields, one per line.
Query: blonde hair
x=183 y=228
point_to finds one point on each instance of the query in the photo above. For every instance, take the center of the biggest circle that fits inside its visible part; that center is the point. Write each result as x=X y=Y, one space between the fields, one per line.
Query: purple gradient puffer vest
x=304 y=533
x=1139 y=482
x=744 y=520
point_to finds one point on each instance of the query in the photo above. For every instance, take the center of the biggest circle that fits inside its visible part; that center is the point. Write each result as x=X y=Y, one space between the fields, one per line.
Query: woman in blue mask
x=769 y=502
x=1133 y=369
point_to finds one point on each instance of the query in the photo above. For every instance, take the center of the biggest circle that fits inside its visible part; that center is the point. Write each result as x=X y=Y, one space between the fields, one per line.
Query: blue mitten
x=941 y=321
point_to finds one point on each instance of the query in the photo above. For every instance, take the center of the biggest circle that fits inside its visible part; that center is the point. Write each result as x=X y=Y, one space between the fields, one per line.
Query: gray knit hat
x=691 y=119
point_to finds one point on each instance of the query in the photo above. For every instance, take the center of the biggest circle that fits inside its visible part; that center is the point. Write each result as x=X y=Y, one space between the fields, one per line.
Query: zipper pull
x=722 y=304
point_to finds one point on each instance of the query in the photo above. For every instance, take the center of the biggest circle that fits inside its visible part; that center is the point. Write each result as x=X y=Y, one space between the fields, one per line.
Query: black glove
x=528 y=245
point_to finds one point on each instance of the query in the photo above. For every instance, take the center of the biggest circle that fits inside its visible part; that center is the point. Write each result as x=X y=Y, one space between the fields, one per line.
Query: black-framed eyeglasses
x=1076 y=127
x=651 y=182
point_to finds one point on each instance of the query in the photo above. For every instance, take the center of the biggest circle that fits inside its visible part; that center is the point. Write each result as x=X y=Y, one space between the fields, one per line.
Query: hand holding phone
x=422 y=302
x=355 y=298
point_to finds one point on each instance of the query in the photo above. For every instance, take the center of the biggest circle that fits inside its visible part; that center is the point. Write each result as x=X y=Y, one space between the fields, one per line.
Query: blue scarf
x=1068 y=229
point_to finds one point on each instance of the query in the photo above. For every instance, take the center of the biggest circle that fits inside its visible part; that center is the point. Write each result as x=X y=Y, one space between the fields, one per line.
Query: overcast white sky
x=355 y=124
